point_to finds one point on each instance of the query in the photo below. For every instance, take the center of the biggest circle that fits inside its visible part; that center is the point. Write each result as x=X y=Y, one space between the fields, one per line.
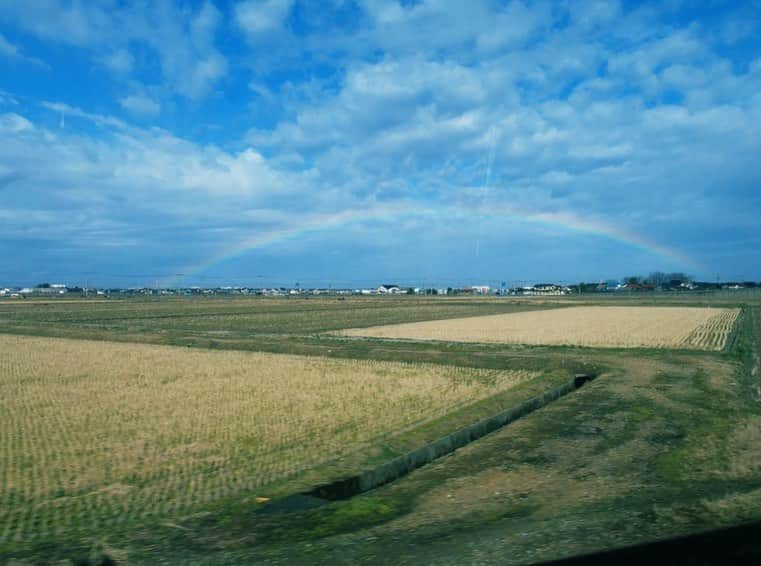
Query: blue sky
x=344 y=143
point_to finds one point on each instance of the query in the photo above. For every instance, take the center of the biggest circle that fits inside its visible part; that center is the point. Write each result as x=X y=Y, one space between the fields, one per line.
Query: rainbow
x=326 y=222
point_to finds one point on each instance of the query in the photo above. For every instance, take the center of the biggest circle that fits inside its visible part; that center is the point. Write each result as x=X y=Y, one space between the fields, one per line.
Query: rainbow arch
x=325 y=222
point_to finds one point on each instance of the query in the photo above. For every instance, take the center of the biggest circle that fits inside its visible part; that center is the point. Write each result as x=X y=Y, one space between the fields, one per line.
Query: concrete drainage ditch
x=402 y=465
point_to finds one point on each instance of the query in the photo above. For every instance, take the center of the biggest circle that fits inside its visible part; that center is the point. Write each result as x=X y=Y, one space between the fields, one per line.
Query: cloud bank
x=617 y=138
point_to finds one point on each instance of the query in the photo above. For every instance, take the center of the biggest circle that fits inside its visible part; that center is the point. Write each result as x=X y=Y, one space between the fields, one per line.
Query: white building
x=388 y=289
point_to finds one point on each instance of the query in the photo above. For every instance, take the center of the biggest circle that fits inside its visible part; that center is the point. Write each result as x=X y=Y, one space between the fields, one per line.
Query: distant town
x=655 y=282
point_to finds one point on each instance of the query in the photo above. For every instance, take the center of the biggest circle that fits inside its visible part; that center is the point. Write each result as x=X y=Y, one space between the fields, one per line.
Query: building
x=541 y=290
x=637 y=287
x=388 y=289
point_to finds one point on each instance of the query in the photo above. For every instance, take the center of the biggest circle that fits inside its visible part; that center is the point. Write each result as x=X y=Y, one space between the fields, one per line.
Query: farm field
x=97 y=433
x=596 y=326
x=221 y=317
x=664 y=442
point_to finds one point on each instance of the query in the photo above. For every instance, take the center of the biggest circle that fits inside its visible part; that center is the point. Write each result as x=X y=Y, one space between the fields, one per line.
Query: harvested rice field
x=593 y=326
x=94 y=435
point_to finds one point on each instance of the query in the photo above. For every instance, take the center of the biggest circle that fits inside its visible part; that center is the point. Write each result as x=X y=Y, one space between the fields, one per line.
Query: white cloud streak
x=140 y=105
x=12 y=51
x=259 y=17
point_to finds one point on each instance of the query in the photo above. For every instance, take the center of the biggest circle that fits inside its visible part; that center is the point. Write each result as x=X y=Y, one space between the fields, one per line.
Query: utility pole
x=180 y=275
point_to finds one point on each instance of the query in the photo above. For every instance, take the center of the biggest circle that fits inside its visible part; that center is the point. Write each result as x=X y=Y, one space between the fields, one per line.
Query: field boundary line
x=732 y=339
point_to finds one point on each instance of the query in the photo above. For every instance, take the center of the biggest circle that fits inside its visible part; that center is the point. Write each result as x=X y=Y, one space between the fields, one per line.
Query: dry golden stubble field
x=594 y=326
x=98 y=434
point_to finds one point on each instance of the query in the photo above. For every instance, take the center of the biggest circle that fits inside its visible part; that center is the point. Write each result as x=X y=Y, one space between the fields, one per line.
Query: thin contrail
x=487 y=181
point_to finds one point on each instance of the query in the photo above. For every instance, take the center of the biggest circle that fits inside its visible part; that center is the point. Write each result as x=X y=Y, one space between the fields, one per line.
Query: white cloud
x=140 y=105
x=204 y=25
x=119 y=61
x=263 y=93
x=556 y=177
x=594 y=13
x=98 y=119
x=11 y=123
x=7 y=49
x=258 y=17
x=183 y=39
x=737 y=28
x=7 y=98
x=129 y=178
x=73 y=23
x=204 y=74
x=512 y=25
x=643 y=61
x=567 y=131
x=11 y=51
x=192 y=67
x=425 y=26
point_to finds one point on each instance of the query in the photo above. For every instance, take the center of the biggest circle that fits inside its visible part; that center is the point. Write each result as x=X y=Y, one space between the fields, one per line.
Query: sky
x=345 y=144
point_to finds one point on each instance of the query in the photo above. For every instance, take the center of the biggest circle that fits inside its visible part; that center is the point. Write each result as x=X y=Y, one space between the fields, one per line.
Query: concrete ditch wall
x=402 y=465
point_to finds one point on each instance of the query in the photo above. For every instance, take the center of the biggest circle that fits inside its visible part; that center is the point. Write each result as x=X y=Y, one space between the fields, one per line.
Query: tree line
x=659 y=279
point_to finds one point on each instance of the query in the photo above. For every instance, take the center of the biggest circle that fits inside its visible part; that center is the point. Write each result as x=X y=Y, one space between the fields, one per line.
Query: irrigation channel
x=403 y=465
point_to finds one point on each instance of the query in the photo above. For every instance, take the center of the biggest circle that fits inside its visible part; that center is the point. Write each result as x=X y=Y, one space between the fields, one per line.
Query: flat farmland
x=594 y=326
x=147 y=427
x=242 y=316
x=98 y=435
